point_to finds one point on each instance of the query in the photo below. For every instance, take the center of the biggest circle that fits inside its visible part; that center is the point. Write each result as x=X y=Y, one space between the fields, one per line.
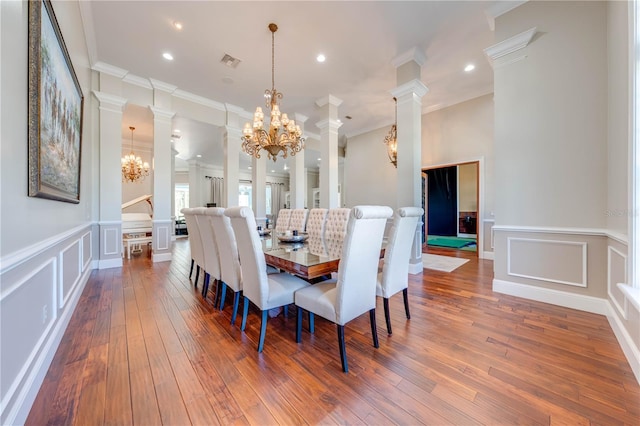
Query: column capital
x=110 y=102
x=329 y=124
x=300 y=118
x=329 y=99
x=161 y=85
x=161 y=114
x=414 y=54
x=411 y=87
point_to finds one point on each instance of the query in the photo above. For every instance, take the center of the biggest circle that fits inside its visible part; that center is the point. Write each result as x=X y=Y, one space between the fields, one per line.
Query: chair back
x=335 y=230
x=282 y=222
x=209 y=246
x=195 y=241
x=395 y=270
x=227 y=248
x=298 y=220
x=255 y=284
x=358 y=270
x=316 y=222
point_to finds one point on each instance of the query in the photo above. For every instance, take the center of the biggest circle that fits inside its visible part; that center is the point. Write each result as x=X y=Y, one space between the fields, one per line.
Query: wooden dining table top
x=307 y=259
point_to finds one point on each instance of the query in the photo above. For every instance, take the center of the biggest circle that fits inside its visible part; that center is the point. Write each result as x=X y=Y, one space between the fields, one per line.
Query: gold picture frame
x=55 y=110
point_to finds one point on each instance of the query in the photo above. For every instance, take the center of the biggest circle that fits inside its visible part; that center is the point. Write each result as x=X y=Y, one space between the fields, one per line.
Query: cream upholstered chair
x=316 y=221
x=298 y=220
x=335 y=229
x=265 y=291
x=195 y=242
x=282 y=222
x=209 y=247
x=395 y=268
x=229 y=259
x=354 y=292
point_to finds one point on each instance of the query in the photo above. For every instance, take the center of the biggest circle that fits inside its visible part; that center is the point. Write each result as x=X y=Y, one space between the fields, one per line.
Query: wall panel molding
x=622 y=307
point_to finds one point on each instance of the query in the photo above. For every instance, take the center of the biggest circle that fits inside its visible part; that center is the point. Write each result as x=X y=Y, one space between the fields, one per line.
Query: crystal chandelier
x=283 y=134
x=391 y=140
x=133 y=169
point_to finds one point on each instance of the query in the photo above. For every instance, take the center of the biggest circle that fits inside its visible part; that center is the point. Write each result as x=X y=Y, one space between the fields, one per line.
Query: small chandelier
x=133 y=169
x=276 y=139
x=391 y=140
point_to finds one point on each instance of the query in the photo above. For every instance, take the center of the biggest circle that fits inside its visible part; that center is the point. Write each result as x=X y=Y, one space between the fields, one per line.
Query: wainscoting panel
x=617 y=273
x=555 y=261
x=39 y=288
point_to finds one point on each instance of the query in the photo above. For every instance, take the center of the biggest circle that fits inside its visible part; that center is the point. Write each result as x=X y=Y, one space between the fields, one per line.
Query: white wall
x=46 y=247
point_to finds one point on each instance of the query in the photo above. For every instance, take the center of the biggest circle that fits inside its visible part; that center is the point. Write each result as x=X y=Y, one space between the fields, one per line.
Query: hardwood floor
x=144 y=347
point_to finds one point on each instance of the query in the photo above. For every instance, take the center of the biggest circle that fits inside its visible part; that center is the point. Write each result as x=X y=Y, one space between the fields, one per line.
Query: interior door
x=443 y=201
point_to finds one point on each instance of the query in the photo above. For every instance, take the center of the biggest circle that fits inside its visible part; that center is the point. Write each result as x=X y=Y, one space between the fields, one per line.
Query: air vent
x=176 y=136
x=230 y=61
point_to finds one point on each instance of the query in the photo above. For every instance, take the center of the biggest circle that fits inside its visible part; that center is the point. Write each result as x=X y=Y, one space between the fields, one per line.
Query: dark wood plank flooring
x=144 y=347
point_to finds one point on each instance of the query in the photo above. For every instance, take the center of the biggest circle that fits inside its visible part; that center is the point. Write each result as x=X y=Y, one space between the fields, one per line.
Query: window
x=244 y=196
x=268 y=196
x=181 y=198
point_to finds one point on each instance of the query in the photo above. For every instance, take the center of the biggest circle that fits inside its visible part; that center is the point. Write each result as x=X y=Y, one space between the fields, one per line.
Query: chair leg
x=205 y=287
x=343 y=349
x=405 y=296
x=312 y=326
x=216 y=299
x=385 y=304
x=298 y=324
x=263 y=329
x=245 y=312
x=191 y=270
x=236 y=299
x=195 y=283
x=374 y=329
x=223 y=295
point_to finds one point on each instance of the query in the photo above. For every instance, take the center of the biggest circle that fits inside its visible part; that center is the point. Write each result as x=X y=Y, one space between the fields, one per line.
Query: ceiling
x=358 y=38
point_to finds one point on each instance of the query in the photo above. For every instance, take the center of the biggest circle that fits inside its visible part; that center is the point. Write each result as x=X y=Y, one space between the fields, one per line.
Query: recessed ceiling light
x=177 y=130
x=168 y=56
x=321 y=58
x=177 y=25
x=469 y=68
x=199 y=156
x=249 y=167
x=339 y=121
x=273 y=171
x=319 y=159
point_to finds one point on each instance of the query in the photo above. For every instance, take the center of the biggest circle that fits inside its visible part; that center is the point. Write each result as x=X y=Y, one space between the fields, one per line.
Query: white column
x=110 y=222
x=173 y=188
x=297 y=172
x=195 y=184
x=232 y=165
x=162 y=178
x=409 y=93
x=329 y=151
x=259 y=188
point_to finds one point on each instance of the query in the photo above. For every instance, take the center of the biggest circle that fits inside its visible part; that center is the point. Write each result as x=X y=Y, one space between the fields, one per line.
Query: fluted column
x=162 y=178
x=329 y=151
x=409 y=94
x=195 y=184
x=110 y=222
x=297 y=173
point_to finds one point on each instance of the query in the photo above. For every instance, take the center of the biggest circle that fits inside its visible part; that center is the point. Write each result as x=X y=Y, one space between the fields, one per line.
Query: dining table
x=307 y=259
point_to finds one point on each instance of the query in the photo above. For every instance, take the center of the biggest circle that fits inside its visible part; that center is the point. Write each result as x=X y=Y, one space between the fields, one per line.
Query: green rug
x=451 y=242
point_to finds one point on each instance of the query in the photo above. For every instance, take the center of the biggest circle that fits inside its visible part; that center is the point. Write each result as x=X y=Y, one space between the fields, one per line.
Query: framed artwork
x=55 y=110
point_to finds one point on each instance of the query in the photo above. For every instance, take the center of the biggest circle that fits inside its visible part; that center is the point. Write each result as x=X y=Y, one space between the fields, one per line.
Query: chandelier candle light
x=283 y=134
x=391 y=140
x=133 y=169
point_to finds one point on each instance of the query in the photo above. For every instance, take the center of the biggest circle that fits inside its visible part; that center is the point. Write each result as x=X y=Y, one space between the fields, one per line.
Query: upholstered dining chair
x=229 y=259
x=316 y=222
x=395 y=268
x=298 y=220
x=209 y=247
x=195 y=242
x=266 y=291
x=335 y=229
x=354 y=291
x=282 y=222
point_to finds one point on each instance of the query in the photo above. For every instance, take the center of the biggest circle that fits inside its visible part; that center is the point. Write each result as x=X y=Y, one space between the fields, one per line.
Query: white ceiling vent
x=176 y=136
x=230 y=61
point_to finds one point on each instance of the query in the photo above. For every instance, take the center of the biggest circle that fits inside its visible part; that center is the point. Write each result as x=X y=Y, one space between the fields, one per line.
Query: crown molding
x=499 y=9
x=161 y=85
x=414 y=86
x=414 y=54
x=331 y=124
x=188 y=96
x=510 y=45
x=234 y=109
x=300 y=118
x=161 y=114
x=105 y=68
x=86 y=16
x=108 y=99
x=466 y=97
x=329 y=99
x=137 y=81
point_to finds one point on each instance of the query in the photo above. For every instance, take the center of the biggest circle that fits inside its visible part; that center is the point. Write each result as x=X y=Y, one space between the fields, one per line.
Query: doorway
x=451 y=200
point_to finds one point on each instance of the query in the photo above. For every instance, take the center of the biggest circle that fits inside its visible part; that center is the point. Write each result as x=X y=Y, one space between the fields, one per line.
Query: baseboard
x=581 y=302
x=626 y=342
x=31 y=386
x=110 y=263
x=416 y=268
x=162 y=257
x=488 y=255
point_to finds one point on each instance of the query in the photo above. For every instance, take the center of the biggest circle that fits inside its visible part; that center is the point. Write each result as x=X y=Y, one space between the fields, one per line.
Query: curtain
x=277 y=200
x=217 y=191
